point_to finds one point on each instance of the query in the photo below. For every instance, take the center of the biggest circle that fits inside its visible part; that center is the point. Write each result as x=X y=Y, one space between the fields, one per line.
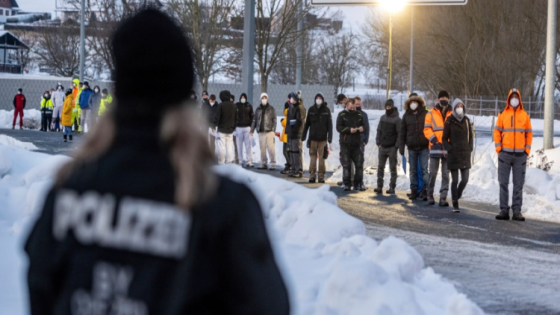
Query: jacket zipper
x=513 y=124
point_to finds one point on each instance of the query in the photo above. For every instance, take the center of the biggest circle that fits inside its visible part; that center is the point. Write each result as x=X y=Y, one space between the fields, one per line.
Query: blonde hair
x=187 y=148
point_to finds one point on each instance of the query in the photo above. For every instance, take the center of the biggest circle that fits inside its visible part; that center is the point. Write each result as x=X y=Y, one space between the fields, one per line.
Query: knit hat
x=86 y=83
x=204 y=93
x=294 y=96
x=263 y=95
x=390 y=102
x=443 y=93
x=151 y=53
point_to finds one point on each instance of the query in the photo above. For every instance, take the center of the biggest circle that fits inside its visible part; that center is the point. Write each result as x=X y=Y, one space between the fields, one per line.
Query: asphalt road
x=505 y=267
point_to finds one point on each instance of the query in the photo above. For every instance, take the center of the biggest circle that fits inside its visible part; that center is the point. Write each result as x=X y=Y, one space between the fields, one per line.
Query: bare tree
x=25 y=56
x=58 y=49
x=206 y=23
x=284 y=71
x=338 y=57
x=276 y=30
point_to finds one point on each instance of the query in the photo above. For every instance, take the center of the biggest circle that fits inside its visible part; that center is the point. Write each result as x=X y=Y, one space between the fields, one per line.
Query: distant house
x=8 y=8
x=66 y=11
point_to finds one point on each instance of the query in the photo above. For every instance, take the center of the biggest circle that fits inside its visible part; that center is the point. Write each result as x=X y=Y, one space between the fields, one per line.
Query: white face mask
x=514 y=102
x=264 y=101
x=96 y=91
x=459 y=111
x=18 y=92
x=243 y=101
x=413 y=105
x=212 y=104
x=292 y=100
x=319 y=101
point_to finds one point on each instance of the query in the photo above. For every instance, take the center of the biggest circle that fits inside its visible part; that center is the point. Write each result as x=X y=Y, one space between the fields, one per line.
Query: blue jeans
x=414 y=157
x=67 y=130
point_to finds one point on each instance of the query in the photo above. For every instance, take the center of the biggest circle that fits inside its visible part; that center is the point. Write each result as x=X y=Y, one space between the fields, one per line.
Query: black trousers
x=349 y=155
x=286 y=156
x=456 y=186
x=46 y=119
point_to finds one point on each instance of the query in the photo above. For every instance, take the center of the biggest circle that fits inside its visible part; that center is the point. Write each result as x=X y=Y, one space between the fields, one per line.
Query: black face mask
x=389 y=111
x=444 y=103
x=359 y=108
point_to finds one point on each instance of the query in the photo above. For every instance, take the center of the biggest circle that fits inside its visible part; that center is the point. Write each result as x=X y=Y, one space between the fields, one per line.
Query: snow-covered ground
x=330 y=265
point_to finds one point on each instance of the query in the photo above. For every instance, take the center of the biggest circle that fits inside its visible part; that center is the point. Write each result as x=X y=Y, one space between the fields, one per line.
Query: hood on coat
x=98 y=88
x=225 y=96
x=321 y=96
x=76 y=81
x=244 y=95
x=421 y=102
x=509 y=97
x=455 y=103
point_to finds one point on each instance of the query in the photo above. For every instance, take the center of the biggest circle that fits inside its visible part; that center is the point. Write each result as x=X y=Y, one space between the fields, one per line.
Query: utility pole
x=299 y=48
x=82 y=41
x=248 y=48
x=548 y=140
x=411 y=87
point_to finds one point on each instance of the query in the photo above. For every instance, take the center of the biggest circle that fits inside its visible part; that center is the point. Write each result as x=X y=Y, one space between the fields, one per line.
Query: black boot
x=456 y=206
x=340 y=183
x=312 y=180
x=431 y=200
x=423 y=195
x=321 y=180
x=502 y=216
x=413 y=195
x=70 y=138
x=391 y=191
x=65 y=138
x=518 y=217
x=378 y=190
x=443 y=202
x=362 y=187
x=346 y=188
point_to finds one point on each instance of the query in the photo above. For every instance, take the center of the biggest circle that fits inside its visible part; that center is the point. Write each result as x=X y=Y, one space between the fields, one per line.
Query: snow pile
x=11 y=142
x=332 y=267
x=31 y=119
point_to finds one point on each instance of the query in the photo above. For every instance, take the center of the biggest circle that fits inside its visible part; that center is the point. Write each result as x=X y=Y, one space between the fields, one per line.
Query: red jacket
x=19 y=101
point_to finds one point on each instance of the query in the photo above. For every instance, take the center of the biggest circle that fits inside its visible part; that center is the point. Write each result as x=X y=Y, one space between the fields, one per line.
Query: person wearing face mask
x=46 y=111
x=243 y=130
x=319 y=125
x=264 y=122
x=387 y=141
x=294 y=128
x=85 y=119
x=209 y=110
x=58 y=101
x=350 y=125
x=458 y=141
x=513 y=137
x=95 y=104
x=106 y=100
x=66 y=116
x=433 y=131
x=412 y=136
x=19 y=105
x=205 y=99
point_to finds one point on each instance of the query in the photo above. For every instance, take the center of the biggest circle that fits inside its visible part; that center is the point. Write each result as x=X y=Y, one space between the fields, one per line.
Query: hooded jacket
x=226 y=114
x=296 y=119
x=412 y=126
x=458 y=140
x=318 y=122
x=433 y=130
x=513 y=132
x=84 y=98
x=67 y=108
x=388 y=130
x=345 y=121
x=244 y=112
x=94 y=102
x=268 y=113
x=105 y=103
x=46 y=105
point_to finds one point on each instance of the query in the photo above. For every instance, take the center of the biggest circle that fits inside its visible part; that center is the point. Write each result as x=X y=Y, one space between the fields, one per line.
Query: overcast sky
x=354 y=16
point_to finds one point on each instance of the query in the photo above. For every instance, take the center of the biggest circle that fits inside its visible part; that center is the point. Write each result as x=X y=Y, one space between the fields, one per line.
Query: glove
x=434 y=140
x=308 y=144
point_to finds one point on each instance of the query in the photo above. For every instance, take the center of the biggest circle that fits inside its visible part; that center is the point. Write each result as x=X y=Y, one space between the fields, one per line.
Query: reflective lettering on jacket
x=140 y=225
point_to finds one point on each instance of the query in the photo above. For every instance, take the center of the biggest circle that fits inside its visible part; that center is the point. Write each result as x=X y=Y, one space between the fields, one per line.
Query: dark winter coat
x=244 y=113
x=214 y=259
x=388 y=130
x=296 y=114
x=458 y=141
x=344 y=122
x=269 y=117
x=95 y=101
x=210 y=111
x=84 y=98
x=365 y=134
x=412 y=126
x=19 y=101
x=226 y=114
x=319 y=124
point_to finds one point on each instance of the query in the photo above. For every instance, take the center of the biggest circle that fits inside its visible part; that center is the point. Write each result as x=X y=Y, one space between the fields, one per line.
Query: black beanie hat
x=151 y=53
x=443 y=93
x=390 y=102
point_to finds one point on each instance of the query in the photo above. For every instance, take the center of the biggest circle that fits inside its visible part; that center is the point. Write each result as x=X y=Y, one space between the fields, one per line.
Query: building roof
x=14 y=4
x=9 y=40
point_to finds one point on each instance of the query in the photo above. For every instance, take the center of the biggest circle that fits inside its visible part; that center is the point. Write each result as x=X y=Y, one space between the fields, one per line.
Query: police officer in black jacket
x=387 y=141
x=350 y=125
x=319 y=125
x=138 y=223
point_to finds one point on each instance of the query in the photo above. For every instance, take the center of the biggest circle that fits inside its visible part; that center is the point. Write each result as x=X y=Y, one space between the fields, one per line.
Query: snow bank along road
x=505 y=267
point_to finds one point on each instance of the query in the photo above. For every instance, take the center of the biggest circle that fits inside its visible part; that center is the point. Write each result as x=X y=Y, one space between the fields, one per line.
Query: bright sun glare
x=393 y=5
